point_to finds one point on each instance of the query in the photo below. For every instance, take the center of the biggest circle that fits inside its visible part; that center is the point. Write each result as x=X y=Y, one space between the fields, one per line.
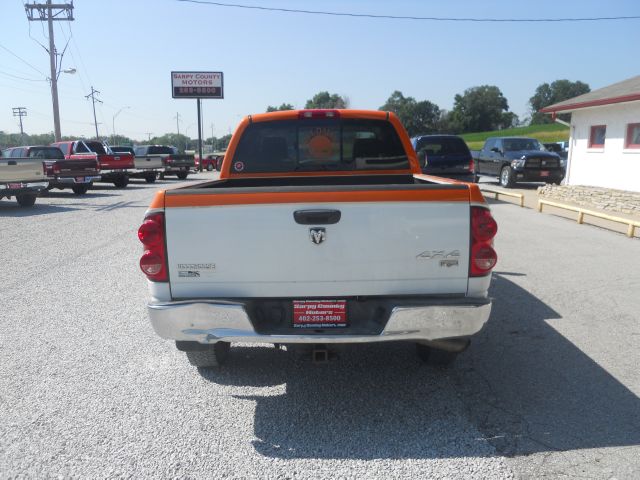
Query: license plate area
x=80 y=180
x=320 y=314
x=544 y=173
x=16 y=186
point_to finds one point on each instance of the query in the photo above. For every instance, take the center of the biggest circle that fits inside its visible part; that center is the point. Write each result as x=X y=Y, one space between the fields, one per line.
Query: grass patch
x=553 y=132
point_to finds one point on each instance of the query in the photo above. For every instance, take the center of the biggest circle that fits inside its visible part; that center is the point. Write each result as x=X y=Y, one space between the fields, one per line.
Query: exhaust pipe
x=454 y=345
x=320 y=354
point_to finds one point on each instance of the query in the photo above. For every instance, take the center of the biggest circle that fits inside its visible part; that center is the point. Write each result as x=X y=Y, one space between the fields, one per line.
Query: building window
x=633 y=136
x=598 y=134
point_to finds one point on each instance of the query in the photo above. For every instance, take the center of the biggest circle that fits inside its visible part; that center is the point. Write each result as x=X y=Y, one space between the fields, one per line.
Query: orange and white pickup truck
x=320 y=231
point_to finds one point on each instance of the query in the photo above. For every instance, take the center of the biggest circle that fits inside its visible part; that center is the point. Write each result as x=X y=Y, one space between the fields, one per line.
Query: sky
x=126 y=49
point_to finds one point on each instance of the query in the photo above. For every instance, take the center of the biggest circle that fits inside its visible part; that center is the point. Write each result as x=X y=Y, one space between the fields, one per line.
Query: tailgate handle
x=317 y=217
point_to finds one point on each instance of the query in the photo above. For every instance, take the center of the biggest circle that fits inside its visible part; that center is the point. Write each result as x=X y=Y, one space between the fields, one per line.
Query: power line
x=400 y=17
x=23 y=60
x=7 y=74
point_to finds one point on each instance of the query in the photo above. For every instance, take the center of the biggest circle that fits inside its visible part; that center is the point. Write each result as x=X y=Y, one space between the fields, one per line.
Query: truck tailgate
x=21 y=170
x=383 y=247
x=148 y=161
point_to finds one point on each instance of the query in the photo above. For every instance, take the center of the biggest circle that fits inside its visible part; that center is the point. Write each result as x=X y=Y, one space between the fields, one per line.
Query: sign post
x=197 y=85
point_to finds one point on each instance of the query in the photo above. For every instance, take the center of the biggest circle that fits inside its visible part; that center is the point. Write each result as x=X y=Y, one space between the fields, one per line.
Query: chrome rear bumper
x=207 y=321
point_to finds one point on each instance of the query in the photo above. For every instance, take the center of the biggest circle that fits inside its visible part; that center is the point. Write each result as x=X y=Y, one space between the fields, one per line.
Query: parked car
x=212 y=161
x=517 y=159
x=22 y=178
x=362 y=246
x=114 y=168
x=172 y=162
x=444 y=156
x=78 y=175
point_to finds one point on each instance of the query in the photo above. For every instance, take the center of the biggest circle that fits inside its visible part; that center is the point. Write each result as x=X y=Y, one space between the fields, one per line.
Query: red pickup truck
x=113 y=168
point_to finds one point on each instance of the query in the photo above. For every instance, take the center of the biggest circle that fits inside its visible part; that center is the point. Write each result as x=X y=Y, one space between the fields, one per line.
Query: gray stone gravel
x=88 y=390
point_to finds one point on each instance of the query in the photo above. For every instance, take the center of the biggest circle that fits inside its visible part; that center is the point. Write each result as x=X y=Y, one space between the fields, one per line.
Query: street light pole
x=113 y=124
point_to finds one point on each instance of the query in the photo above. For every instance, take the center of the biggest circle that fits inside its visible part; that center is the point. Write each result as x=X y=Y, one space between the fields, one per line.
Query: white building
x=604 y=146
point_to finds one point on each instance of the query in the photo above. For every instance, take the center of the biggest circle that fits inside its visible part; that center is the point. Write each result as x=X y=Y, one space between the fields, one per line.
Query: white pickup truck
x=22 y=178
x=321 y=230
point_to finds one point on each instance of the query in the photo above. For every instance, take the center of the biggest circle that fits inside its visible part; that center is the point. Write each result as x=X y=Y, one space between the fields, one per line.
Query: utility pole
x=149 y=135
x=177 y=117
x=94 y=100
x=49 y=12
x=20 y=112
x=212 y=147
x=200 y=133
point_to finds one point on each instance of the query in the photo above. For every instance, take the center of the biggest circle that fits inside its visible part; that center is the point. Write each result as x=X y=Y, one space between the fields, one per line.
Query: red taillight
x=150 y=233
x=56 y=169
x=154 y=259
x=168 y=160
x=471 y=165
x=307 y=114
x=483 y=259
x=483 y=229
x=483 y=226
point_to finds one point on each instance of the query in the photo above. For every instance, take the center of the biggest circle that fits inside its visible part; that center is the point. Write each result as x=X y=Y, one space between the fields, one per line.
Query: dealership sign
x=197 y=85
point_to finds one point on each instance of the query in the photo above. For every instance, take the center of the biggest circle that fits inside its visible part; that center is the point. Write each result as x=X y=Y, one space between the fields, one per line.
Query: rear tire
x=80 y=189
x=214 y=356
x=182 y=175
x=26 y=199
x=121 y=182
x=435 y=357
x=209 y=167
x=150 y=178
x=476 y=177
x=506 y=177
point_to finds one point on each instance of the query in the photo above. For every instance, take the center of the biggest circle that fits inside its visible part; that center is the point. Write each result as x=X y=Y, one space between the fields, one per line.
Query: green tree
x=327 y=100
x=417 y=117
x=480 y=109
x=284 y=106
x=223 y=142
x=548 y=94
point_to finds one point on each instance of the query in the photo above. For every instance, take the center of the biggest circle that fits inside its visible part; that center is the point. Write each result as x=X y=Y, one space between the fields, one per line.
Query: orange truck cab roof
x=324 y=114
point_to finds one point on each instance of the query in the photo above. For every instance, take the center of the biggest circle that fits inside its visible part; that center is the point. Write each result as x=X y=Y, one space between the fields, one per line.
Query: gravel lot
x=550 y=387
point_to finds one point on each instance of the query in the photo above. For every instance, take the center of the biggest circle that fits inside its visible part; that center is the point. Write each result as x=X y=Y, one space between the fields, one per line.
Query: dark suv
x=444 y=156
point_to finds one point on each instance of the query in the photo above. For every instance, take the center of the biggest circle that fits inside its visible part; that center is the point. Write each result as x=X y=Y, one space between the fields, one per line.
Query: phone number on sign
x=320 y=318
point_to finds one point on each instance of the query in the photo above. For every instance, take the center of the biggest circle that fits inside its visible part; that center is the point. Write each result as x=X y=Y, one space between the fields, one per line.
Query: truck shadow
x=14 y=210
x=69 y=194
x=520 y=388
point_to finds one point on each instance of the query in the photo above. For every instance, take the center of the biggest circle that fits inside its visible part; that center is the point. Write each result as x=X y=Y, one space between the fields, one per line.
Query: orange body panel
x=158 y=200
x=219 y=199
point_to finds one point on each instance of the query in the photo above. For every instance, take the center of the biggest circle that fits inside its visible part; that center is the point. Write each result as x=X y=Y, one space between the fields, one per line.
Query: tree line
x=478 y=109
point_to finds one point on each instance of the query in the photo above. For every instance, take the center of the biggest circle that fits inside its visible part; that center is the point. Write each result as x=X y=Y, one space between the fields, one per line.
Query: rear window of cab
x=314 y=145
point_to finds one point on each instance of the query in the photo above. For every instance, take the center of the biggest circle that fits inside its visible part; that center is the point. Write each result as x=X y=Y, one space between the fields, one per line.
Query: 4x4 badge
x=318 y=235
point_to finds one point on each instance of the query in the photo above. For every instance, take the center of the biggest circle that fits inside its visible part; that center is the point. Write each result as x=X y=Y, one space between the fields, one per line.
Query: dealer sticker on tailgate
x=319 y=313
